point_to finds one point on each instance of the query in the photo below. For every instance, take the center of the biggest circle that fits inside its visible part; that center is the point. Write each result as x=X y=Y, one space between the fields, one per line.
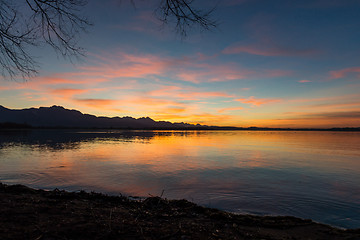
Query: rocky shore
x=27 y=213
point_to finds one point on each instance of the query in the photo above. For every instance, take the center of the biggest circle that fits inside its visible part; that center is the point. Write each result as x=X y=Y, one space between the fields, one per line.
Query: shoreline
x=38 y=214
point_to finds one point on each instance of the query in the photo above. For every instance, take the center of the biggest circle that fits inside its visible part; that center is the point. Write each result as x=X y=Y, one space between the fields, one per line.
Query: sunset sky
x=276 y=63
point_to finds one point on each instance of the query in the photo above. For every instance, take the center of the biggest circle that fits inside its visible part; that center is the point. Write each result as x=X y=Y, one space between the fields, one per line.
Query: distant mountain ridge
x=58 y=117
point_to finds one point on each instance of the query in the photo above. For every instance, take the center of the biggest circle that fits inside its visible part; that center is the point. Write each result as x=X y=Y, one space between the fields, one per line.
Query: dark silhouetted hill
x=60 y=117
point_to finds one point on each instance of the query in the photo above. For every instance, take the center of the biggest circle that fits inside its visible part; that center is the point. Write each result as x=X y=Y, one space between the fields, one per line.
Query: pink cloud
x=69 y=78
x=188 y=69
x=127 y=66
x=257 y=101
x=343 y=72
x=198 y=73
x=304 y=81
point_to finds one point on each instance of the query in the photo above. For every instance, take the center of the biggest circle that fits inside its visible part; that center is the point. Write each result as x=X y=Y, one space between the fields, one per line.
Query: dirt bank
x=27 y=213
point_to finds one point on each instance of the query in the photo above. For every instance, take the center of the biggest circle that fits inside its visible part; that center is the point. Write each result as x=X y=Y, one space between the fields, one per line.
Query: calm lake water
x=305 y=174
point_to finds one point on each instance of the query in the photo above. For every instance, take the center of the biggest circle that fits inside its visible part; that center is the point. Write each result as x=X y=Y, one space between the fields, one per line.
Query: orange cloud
x=165 y=91
x=53 y=79
x=172 y=110
x=257 y=101
x=210 y=119
x=230 y=109
x=304 y=81
x=153 y=102
x=343 y=72
x=96 y=103
x=179 y=93
x=201 y=118
x=68 y=92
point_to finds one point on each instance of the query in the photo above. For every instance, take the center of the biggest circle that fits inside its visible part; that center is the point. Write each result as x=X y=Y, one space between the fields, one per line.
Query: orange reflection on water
x=171 y=153
x=213 y=150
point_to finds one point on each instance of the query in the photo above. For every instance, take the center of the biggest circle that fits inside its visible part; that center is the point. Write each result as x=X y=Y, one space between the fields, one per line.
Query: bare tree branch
x=59 y=23
x=184 y=15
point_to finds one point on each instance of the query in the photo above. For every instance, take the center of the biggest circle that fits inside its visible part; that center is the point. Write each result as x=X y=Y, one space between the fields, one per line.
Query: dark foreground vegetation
x=37 y=214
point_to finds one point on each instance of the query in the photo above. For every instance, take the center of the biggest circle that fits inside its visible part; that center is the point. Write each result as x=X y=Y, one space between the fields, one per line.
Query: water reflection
x=305 y=174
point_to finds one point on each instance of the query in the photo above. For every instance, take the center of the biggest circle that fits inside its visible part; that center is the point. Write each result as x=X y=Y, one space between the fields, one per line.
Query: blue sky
x=268 y=63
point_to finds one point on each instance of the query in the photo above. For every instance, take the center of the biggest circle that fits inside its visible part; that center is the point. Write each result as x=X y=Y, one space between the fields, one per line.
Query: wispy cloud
x=124 y=65
x=319 y=118
x=195 y=69
x=202 y=118
x=175 y=92
x=197 y=73
x=229 y=109
x=154 y=102
x=347 y=103
x=342 y=114
x=68 y=92
x=172 y=110
x=344 y=72
x=257 y=101
x=339 y=105
x=96 y=103
x=304 y=81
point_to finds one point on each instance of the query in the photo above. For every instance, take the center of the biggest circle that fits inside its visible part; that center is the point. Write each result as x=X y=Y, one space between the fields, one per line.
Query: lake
x=306 y=174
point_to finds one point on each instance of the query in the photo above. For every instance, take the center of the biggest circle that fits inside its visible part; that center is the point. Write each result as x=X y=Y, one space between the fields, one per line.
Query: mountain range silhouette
x=58 y=117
